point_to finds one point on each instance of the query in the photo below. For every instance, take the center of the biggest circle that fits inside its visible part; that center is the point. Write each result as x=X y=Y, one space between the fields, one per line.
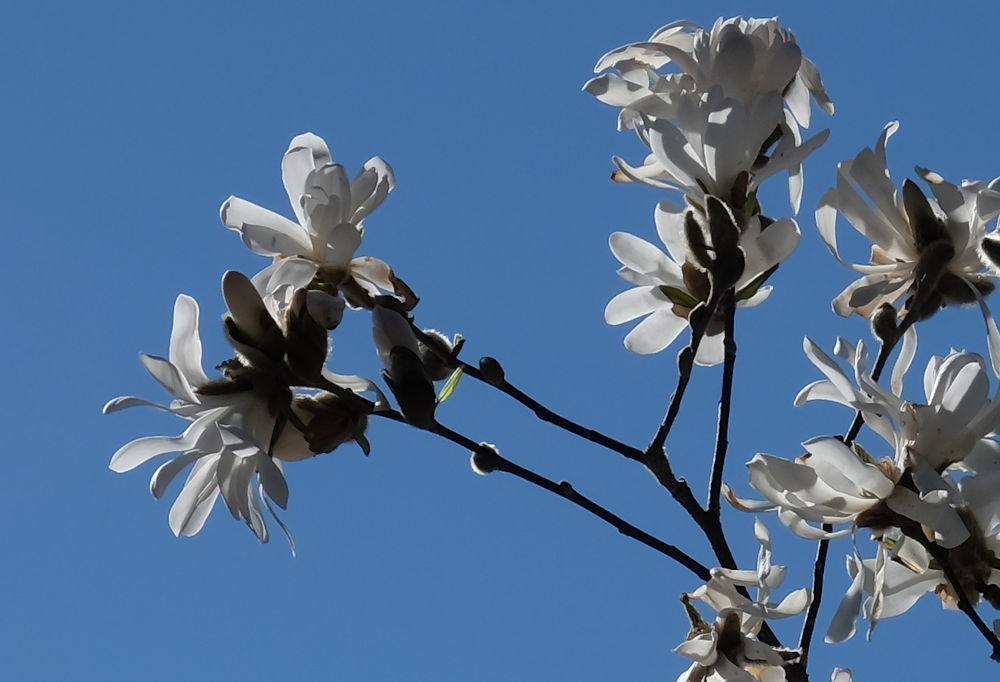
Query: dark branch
x=493 y=461
x=725 y=404
x=542 y=412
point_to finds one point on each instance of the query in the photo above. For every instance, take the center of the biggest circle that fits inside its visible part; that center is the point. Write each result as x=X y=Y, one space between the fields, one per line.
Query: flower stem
x=725 y=404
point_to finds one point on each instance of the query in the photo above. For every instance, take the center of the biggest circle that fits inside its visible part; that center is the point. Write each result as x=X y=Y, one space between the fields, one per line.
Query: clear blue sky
x=125 y=125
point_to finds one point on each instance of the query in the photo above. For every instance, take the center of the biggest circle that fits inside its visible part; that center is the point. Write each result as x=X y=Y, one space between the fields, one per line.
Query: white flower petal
x=126 y=401
x=700 y=649
x=185 y=343
x=372 y=185
x=930 y=510
x=290 y=273
x=305 y=153
x=844 y=623
x=711 y=351
x=195 y=502
x=655 y=333
x=842 y=469
x=906 y=355
x=263 y=231
x=169 y=377
x=643 y=257
x=634 y=303
x=141 y=450
x=272 y=480
x=167 y=471
x=339 y=243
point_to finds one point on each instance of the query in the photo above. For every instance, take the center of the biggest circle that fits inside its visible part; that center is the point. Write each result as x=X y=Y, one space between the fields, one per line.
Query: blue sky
x=125 y=127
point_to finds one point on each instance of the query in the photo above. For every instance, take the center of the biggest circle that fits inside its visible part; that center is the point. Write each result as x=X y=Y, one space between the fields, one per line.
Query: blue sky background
x=125 y=126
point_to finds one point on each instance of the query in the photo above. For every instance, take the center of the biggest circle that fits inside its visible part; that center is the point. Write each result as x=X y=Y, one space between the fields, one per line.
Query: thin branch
x=964 y=604
x=819 y=572
x=541 y=411
x=493 y=461
x=725 y=404
x=685 y=363
x=654 y=460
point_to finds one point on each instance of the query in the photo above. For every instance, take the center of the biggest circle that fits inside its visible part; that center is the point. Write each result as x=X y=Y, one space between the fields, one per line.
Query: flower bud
x=249 y=325
x=696 y=242
x=329 y=420
x=483 y=462
x=884 y=326
x=409 y=383
x=989 y=251
x=729 y=261
x=492 y=371
x=404 y=370
x=307 y=343
x=435 y=353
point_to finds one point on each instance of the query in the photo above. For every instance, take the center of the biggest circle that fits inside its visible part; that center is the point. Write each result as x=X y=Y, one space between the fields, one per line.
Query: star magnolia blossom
x=728 y=649
x=902 y=571
x=952 y=427
x=667 y=287
x=330 y=210
x=718 y=118
x=230 y=443
x=912 y=238
x=746 y=58
x=723 y=653
x=226 y=442
x=831 y=484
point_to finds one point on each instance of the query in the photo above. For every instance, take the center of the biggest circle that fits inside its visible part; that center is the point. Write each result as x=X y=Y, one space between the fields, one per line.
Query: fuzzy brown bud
x=884 y=325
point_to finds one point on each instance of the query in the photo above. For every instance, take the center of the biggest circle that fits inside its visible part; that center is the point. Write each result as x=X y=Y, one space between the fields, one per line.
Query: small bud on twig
x=483 y=462
x=492 y=371
x=884 y=325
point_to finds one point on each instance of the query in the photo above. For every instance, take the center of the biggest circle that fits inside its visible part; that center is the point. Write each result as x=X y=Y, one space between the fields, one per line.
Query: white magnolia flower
x=894 y=581
x=952 y=427
x=722 y=652
x=728 y=649
x=716 y=121
x=746 y=58
x=227 y=441
x=330 y=210
x=668 y=287
x=831 y=484
x=714 y=142
x=903 y=571
x=235 y=443
x=938 y=241
x=722 y=591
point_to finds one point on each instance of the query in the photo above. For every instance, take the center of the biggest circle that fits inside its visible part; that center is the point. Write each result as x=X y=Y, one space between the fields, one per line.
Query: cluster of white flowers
x=719 y=111
x=724 y=120
x=933 y=498
x=937 y=486
x=729 y=648
x=276 y=401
